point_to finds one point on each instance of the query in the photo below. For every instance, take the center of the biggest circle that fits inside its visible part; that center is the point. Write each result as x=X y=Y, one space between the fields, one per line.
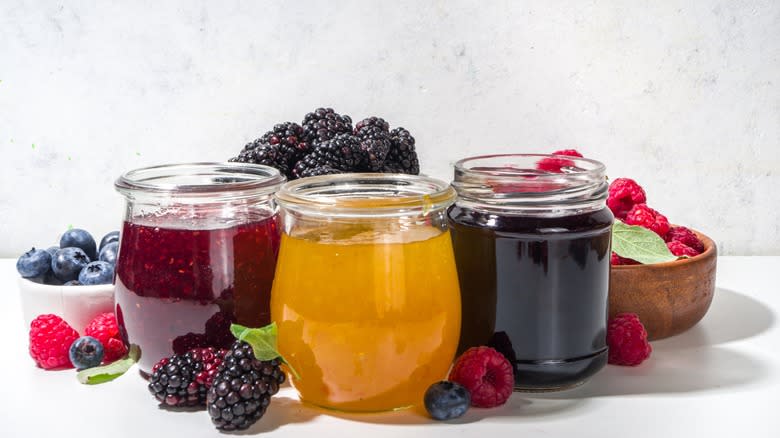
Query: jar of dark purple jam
x=532 y=249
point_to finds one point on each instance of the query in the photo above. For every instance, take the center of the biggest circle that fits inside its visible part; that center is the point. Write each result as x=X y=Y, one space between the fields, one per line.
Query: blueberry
x=48 y=278
x=68 y=262
x=98 y=272
x=72 y=283
x=52 y=250
x=108 y=252
x=108 y=238
x=34 y=263
x=447 y=400
x=86 y=352
x=80 y=239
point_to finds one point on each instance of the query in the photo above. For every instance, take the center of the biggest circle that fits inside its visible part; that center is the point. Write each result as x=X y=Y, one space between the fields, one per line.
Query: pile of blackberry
x=326 y=143
x=233 y=385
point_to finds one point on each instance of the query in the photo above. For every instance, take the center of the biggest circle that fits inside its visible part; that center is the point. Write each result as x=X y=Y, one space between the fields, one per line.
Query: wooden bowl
x=669 y=297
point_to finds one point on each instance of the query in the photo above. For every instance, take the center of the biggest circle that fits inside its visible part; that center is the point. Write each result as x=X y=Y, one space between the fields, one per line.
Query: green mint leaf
x=640 y=244
x=107 y=373
x=263 y=342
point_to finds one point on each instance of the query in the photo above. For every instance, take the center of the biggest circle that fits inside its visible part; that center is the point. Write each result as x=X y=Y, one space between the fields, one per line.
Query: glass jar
x=366 y=292
x=197 y=252
x=533 y=255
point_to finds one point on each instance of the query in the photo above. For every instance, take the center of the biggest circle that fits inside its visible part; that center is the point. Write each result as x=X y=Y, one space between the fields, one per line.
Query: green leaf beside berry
x=263 y=342
x=107 y=373
x=640 y=244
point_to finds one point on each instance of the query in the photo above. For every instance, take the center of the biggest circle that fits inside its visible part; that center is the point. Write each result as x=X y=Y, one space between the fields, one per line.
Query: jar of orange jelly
x=366 y=292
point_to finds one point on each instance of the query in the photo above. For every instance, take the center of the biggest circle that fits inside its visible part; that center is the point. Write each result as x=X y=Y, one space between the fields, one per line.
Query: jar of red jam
x=532 y=249
x=197 y=252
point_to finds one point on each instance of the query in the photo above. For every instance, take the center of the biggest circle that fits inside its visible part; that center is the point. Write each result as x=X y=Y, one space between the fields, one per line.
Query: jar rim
x=596 y=167
x=519 y=183
x=205 y=179
x=367 y=193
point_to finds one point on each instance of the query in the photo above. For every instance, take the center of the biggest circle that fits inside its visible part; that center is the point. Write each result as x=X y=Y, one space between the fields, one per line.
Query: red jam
x=181 y=288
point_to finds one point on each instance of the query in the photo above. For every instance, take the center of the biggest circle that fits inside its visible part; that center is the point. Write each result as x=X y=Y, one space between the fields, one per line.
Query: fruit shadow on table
x=697 y=360
x=285 y=411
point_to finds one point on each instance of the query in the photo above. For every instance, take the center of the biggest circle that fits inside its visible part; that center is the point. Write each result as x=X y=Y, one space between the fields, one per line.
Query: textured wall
x=683 y=96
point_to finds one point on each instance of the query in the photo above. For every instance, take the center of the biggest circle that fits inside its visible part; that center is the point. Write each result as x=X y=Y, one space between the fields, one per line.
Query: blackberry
x=260 y=152
x=371 y=124
x=184 y=343
x=317 y=171
x=218 y=329
x=340 y=153
x=402 y=157
x=500 y=342
x=324 y=124
x=289 y=137
x=242 y=388
x=375 y=143
x=182 y=380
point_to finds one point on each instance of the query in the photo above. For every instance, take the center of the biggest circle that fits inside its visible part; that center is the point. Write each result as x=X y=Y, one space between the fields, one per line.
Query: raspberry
x=627 y=340
x=553 y=164
x=623 y=194
x=50 y=341
x=680 y=249
x=616 y=260
x=105 y=329
x=487 y=374
x=644 y=216
x=685 y=236
x=568 y=152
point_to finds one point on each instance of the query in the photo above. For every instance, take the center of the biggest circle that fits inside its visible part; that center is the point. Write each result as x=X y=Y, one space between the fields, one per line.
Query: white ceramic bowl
x=77 y=305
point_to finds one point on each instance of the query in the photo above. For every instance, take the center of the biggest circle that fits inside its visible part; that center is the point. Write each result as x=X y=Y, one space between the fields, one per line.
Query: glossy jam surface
x=175 y=282
x=368 y=326
x=537 y=289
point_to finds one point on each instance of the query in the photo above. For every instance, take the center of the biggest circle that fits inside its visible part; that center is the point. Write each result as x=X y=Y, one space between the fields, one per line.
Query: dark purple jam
x=536 y=289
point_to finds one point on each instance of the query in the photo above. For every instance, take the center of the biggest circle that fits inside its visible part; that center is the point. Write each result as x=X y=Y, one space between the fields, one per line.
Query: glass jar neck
x=366 y=195
x=199 y=183
x=515 y=184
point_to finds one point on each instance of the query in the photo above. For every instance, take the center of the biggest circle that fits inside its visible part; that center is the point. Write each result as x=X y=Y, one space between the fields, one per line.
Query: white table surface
x=721 y=378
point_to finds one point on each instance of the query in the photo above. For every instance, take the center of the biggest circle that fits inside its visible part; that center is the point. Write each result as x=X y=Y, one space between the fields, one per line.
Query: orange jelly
x=368 y=313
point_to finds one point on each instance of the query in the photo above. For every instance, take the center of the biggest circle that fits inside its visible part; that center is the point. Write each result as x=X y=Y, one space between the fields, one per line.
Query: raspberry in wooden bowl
x=669 y=297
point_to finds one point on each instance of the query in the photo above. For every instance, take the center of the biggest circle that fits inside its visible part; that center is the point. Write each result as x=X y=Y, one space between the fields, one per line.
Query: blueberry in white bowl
x=98 y=272
x=108 y=253
x=52 y=250
x=76 y=237
x=68 y=263
x=34 y=263
x=108 y=238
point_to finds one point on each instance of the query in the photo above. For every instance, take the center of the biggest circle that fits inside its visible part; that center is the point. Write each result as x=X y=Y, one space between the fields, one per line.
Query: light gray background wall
x=683 y=96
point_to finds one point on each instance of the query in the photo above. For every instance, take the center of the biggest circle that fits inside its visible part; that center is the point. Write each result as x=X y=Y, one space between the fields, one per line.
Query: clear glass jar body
x=533 y=253
x=197 y=252
x=366 y=292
